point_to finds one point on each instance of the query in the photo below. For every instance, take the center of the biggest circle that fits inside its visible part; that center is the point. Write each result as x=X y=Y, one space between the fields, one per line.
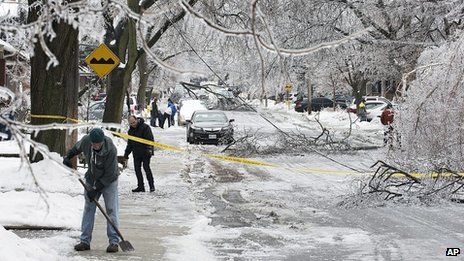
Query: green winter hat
x=96 y=135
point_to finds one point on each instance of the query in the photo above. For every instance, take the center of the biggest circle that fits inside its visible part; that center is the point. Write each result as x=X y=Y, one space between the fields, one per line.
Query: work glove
x=150 y=151
x=67 y=162
x=92 y=192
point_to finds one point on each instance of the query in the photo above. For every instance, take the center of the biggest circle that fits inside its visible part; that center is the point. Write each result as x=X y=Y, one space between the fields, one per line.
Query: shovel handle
x=102 y=210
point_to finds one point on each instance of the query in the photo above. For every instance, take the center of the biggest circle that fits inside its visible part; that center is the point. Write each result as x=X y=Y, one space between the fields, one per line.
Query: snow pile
x=51 y=196
x=14 y=248
x=29 y=208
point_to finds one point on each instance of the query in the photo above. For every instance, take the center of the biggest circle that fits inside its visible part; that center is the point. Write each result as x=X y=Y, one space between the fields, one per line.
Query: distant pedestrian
x=8 y=115
x=173 y=109
x=154 y=114
x=166 y=116
x=102 y=179
x=4 y=128
x=362 y=112
x=142 y=153
x=387 y=119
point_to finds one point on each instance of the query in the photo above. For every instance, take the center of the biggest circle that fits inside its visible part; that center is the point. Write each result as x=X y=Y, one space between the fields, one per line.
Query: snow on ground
x=206 y=209
x=13 y=248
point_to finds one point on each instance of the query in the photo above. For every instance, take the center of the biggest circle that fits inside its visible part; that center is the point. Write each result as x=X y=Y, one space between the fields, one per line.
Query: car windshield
x=210 y=117
x=370 y=106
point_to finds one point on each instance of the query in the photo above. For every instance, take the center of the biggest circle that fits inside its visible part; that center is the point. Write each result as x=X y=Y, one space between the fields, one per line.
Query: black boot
x=138 y=189
x=152 y=188
x=112 y=248
x=81 y=247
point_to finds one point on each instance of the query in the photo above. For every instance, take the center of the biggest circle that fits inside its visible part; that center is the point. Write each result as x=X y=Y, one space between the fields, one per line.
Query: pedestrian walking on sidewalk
x=142 y=153
x=154 y=113
x=102 y=179
x=166 y=117
x=173 y=110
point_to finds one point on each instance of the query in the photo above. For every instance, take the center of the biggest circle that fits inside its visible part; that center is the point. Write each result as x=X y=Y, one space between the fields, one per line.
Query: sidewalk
x=149 y=221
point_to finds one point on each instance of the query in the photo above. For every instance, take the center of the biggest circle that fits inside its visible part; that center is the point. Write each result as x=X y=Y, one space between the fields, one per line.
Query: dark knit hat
x=96 y=135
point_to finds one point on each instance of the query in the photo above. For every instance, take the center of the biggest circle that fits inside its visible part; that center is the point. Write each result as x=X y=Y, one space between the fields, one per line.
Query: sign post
x=102 y=60
x=288 y=89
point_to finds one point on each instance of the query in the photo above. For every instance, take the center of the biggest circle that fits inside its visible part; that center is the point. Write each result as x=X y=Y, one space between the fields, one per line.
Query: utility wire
x=240 y=98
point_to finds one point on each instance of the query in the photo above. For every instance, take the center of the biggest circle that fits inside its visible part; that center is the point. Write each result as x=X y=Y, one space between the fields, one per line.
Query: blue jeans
x=110 y=196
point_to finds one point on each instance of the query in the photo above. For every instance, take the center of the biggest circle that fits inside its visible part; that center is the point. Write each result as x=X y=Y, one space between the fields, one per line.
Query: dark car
x=343 y=101
x=317 y=104
x=209 y=127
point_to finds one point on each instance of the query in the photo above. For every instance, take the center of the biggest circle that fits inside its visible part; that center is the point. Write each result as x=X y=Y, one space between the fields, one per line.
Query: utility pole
x=333 y=92
x=332 y=81
x=309 y=96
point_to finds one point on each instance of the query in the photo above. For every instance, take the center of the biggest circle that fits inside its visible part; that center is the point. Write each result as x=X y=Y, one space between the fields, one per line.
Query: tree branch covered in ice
x=389 y=183
x=429 y=122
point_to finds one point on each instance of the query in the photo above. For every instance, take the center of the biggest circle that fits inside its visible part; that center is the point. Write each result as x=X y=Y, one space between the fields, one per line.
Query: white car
x=187 y=108
x=132 y=104
x=374 y=108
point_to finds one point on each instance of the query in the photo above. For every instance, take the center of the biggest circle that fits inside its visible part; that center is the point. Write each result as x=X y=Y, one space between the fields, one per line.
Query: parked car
x=375 y=111
x=187 y=108
x=98 y=96
x=133 y=106
x=209 y=127
x=317 y=104
x=374 y=108
x=343 y=101
x=370 y=99
x=97 y=109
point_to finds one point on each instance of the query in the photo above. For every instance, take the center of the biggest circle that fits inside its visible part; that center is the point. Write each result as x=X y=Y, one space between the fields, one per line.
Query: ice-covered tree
x=429 y=122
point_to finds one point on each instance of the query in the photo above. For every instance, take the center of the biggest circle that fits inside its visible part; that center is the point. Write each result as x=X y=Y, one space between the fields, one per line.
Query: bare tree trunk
x=383 y=87
x=115 y=97
x=55 y=91
x=141 y=94
x=126 y=44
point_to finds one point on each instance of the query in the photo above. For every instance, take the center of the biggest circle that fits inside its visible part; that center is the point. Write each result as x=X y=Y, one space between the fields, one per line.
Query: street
x=208 y=209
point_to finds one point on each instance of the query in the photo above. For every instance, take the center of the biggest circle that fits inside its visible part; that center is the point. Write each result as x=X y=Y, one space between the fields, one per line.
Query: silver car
x=97 y=109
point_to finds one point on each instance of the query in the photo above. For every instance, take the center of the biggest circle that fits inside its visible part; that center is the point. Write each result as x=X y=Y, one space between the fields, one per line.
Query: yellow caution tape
x=327 y=171
x=173 y=148
x=147 y=142
x=241 y=160
x=58 y=117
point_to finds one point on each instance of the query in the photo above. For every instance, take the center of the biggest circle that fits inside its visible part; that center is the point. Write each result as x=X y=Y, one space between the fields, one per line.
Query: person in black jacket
x=141 y=152
x=154 y=114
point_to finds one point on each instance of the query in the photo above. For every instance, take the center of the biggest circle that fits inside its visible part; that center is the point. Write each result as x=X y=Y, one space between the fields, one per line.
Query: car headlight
x=195 y=128
x=225 y=129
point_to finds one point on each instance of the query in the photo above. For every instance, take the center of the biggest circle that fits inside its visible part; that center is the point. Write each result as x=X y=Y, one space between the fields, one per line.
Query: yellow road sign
x=102 y=60
x=288 y=87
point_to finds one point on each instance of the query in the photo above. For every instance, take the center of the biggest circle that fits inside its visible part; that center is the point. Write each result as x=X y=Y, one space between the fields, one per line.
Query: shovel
x=125 y=245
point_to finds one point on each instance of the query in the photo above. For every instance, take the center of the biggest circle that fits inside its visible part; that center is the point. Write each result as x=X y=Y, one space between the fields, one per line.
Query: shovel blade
x=126 y=246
